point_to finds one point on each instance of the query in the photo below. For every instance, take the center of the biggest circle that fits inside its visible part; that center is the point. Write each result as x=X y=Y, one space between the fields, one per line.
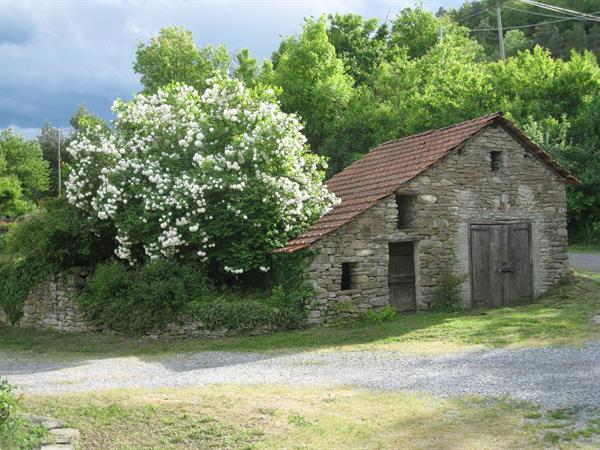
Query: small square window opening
x=495 y=161
x=404 y=203
x=347 y=276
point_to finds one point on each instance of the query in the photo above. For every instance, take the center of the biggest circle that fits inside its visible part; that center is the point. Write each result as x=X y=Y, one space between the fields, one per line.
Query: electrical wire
x=534 y=13
x=533 y=24
x=525 y=26
x=474 y=14
x=560 y=9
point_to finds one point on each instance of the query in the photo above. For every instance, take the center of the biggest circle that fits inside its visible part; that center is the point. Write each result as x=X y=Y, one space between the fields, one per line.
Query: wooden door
x=500 y=264
x=516 y=271
x=401 y=276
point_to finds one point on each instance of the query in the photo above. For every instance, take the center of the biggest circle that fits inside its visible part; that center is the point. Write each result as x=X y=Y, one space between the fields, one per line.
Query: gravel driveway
x=585 y=261
x=555 y=377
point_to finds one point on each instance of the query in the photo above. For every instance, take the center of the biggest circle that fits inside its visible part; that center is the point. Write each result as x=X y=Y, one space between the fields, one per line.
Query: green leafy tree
x=23 y=174
x=172 y=56
x=247 y=70
x=366 y=122
x=582 y=159
x=84 y=119
x=445 y=86
x=313 y=80
x=535 y=84
x=515 y=41
x=416 y=30
x=360 y=43
x=266 y=75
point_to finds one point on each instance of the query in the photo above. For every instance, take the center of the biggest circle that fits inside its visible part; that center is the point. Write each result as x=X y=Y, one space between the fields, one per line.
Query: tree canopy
x=23 y=174
x=355 y=82
x=172 y=56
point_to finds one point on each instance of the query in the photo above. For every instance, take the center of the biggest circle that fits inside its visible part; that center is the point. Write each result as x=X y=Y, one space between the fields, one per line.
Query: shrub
x=224 y=175
x=61 y=236
x=15 y=431
x=448 y=294
x=376 y=316
x=239 y=314
x=289 y=276
x=8 y=402
x=52 y=239
x=144 y=298
x=18 y=278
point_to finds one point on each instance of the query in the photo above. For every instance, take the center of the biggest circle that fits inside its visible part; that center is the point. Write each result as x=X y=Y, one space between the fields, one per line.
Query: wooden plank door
x=401 y=276
x=500 y=264
x=516 y=270
x=486 y=283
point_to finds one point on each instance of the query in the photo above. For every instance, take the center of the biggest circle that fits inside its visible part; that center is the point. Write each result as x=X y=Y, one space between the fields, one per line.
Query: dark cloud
x=14 y=33
x=57 y=54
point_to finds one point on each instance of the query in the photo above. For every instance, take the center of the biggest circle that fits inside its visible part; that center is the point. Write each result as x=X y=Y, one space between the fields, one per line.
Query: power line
x=560 y=9
x=531 y=25
x=535 y=13
x=474 y=14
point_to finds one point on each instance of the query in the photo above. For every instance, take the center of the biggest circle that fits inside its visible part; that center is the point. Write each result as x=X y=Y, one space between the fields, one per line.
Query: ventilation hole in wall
x=495 y=161
x=405 y=205
x=348 y=270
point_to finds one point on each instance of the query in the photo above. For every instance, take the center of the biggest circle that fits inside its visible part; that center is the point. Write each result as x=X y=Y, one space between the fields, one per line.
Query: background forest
x=356 y=82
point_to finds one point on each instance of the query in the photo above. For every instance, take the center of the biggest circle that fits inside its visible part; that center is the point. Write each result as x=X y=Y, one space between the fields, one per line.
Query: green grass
x=560 y=317
x=19 y=433
x=265 y=417
x=585 y=248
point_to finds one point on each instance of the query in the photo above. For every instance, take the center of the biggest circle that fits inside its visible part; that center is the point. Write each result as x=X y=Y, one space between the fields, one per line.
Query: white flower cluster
x=224 y=176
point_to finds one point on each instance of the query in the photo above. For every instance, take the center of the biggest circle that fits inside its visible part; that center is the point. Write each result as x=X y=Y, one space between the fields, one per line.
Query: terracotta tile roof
x=387 y=167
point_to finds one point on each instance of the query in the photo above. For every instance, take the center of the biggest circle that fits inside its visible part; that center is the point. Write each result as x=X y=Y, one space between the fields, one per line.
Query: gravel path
x=555 y=377
x=585 y=261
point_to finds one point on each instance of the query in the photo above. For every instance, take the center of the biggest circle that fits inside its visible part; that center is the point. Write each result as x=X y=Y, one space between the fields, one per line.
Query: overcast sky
x=57 y=54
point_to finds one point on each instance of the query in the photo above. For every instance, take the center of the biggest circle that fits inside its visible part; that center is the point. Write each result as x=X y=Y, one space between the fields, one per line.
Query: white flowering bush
x=224 y=176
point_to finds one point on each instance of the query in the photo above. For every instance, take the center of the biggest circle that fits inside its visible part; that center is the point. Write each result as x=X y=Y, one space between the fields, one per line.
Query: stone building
x=477 y=198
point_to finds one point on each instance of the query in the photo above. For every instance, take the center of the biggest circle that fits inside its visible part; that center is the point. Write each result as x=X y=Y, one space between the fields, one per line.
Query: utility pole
x=59 y=169
x=500 y=33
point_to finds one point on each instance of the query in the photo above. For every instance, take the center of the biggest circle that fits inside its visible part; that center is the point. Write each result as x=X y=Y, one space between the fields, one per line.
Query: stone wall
x=446 y=199
x=51 y=305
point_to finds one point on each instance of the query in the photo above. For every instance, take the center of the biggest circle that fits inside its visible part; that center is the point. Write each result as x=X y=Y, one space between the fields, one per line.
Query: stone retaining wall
x=52 y=306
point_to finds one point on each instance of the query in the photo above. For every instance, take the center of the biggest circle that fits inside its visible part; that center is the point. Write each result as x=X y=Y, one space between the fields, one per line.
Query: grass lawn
x=560 y=317
x=306 y=418
x=584 y=248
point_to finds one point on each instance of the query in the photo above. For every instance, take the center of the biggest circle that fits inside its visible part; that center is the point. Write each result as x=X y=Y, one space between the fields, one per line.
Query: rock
x=64 y=435
x=56 y=447
x=596 y=319
x=48 y=422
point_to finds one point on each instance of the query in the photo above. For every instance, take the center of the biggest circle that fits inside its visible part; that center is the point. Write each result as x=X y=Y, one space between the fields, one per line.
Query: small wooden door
x=500 y=264
x=401 y=276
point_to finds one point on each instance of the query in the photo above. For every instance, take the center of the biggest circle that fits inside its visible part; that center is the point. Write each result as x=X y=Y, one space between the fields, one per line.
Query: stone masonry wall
x=446 y=199
x=51 y=305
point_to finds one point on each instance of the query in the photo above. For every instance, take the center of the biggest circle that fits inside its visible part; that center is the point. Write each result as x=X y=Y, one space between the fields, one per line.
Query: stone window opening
x=348 y=271
x=404 y=203
x=495 y=161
